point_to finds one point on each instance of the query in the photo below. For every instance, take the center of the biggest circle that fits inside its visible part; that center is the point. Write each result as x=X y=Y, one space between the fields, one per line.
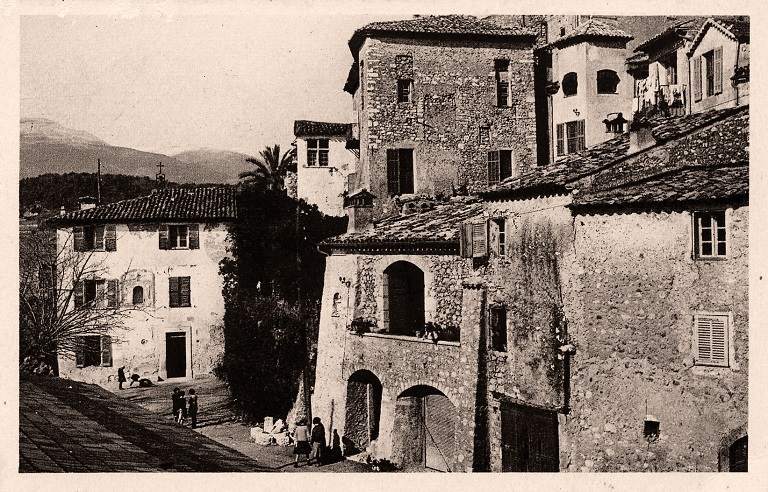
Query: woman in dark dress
x=121 y=376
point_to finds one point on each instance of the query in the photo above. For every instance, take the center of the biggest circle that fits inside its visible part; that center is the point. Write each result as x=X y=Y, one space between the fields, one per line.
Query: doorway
x=529 y=439
x=176 y=354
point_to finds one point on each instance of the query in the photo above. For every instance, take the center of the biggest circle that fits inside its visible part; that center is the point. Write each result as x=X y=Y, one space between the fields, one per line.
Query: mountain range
x=48 y=147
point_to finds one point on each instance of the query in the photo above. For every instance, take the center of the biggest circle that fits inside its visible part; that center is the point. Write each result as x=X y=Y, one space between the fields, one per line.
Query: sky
x=166 y=85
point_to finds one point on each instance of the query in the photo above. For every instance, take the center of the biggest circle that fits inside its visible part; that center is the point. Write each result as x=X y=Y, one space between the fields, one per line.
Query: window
x=710 y=235
x=710 y=82
x=178 y=292
x=696 y=84
x=711 y=338
x=607 y=82
x=403 y=289
x=317 y=152
x=399 y=171
x=473 y=239
x=570 y=84
x=404 y=90
x=95 y=238
x=500 y=236
x=138 y=295
x=499 y=328
x=98 y=293
x=670 y=65
x=570 y=137
x=179 y=236
x=500 y=165
x=93 y=350
x=501 y=67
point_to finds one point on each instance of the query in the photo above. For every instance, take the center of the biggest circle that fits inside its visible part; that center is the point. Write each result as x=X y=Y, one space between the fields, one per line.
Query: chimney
x=359 y=208
x=86 y=202
x=640 y=136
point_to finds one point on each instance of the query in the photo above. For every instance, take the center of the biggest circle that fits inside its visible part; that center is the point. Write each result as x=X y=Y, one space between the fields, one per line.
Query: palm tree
x=271 y=168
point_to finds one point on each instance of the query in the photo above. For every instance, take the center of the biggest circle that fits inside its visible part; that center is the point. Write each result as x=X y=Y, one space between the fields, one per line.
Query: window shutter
x=393 y=172
x=110 y=238
x=696 y=79
x=163 y=236
x=581 y=143
x=98 y=238
x=79 y=238
x=718 y=63
x=79 y=294
x=194 y=236
x=493 y=167
x=385 y=299
x=79 y=352
x=465 y=240
x=106 y=350
x=173 y=292
x=184 y=292
x=561 y=139
x=479 y=239
x=505 y=164
x=406 y=170
x=112 y=293
x=712 y=340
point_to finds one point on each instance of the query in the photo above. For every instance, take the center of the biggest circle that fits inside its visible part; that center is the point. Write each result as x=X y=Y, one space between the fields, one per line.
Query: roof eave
x=358 y=38
x=414 y=246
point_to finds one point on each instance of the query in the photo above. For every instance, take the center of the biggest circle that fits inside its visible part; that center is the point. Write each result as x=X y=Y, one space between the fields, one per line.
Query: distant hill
x=48 y=147
x=228 y=164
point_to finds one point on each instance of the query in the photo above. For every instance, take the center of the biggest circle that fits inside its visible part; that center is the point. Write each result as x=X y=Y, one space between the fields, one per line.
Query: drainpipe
x=734 y=82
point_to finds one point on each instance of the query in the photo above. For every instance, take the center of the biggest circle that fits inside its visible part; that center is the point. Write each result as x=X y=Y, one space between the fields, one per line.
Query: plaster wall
x=730 y=96
x=325 y=185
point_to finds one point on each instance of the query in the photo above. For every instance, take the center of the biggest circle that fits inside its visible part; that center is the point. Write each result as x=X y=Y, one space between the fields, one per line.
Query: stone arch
x=732 y=454
x=363 y=410
x=424 y=433
x=403 y=290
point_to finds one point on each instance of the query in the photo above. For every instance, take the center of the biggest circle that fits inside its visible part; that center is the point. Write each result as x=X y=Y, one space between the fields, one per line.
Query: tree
x=271 y=168
x=62 y=298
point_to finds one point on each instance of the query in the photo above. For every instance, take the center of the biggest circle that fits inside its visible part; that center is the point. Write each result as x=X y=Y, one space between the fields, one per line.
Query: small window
x=670 y=66
x=500 y=226
x=607 y=82
x=138 y=295
x=570 y=84
x=501 y=68
x=570 y=137
x=711 y=339
x=95 y=238
x=93 y=350
x=500 y=166
x=317 y=152
x=710 y=235
x=96 y=293
x=713 y=65
x=179 y=292
x=499 y=328
x=400 y=171
x=178 y=235
x=404 y=90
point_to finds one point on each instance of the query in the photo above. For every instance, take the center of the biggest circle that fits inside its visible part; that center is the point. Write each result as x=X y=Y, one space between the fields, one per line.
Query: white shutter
x=712 y=339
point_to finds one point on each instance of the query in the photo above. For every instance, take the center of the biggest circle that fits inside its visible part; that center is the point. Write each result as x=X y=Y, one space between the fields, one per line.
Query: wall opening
x=361 y=425
x=403 y=298
x=176 y=354
x=529 y=439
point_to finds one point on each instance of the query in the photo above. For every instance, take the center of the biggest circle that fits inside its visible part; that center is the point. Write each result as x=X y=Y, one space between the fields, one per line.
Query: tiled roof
x=685 y=29
x=688 y=184
x=556 y=177
x=438 y=225
x=438 y=25
x=736 y=27
x=592 y=29
x=302 y=128
x=201 y=203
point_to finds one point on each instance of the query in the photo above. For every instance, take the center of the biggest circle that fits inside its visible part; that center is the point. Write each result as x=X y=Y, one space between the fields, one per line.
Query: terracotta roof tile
x=592 y=29
x=201 y=203
x=302 y=128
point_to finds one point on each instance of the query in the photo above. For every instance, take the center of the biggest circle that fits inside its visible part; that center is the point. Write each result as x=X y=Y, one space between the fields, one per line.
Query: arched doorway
x=424 y=434
x=403 y=286
x=361 y=423
x=737 y=455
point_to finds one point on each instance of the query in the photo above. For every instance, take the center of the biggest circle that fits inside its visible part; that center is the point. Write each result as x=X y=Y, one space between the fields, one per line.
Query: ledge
x=408 y=339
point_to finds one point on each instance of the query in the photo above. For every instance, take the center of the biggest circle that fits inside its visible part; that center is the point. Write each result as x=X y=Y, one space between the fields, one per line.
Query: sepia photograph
x=360 y=241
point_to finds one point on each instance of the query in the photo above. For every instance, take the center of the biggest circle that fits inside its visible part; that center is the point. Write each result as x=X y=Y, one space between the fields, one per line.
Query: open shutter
x=106 y=350
x=173 y=292
x=696 y=84
x=479 y=239
x=163 y=236
x=561 y=139
x=110 y=238
x=465 y=240
x=194 y=236
x=79 y=238
x=385 y=299
x=98 y=238
x=581 y=142
x=184 y=292
x=393 y=172
x=112 y=293
x=493 y=167
x=79 y=352
x=718 y=63
x=79 y=294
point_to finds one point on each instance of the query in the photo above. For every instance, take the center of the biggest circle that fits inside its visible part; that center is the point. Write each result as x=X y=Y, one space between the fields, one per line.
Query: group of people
x=312 y=444
x=135 y=378
x=184 y=407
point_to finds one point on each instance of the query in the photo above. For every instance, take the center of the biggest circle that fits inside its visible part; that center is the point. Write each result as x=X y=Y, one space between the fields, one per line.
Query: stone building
x=520 y=332
x=158 y=257
x=323 y=164
x=445 y=104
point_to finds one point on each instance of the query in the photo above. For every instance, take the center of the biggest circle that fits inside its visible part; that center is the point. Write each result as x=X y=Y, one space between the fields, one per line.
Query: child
x=302 y=447
x=193 y=407
x=182 y=407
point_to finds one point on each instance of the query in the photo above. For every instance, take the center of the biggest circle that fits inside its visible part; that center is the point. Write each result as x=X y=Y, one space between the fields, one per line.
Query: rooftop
x=735 y=27
x=306 y=128
x=591 y=30
x=209 y=203
x=686 y=29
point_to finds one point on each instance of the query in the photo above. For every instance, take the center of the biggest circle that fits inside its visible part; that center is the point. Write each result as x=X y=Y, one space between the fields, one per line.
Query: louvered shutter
x=581 y=142
x=561 y=139
x=184 y=292
x=163 y=236
x=79 y=294
x=696 y=79
x=479 y=239
x=385 y=299
x=110 y=238
x=106 y=350
x=712 y=340
x=112 y=293
x=79 y=238
x=465 y=240
x=493 y=167
x=173 y=292
x=194 y=236
x=718 y=64
x=98 y=238
x=393 y=172
x=80 y=352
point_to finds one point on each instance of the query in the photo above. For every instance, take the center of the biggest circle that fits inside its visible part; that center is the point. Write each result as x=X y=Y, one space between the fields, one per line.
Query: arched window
x=138 y=294
x=403 y=298
x=607 y=82
x=570 y=84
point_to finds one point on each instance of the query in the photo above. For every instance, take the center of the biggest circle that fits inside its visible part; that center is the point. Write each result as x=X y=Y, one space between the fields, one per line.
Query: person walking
x=192 y=407
x=121 y=376
x=301 y=436
x=318 y=441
